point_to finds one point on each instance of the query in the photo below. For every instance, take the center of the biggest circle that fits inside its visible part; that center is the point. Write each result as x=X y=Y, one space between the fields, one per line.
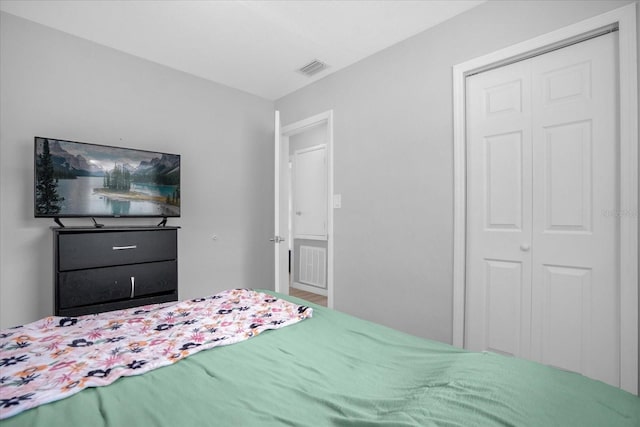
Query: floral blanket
x=57 y=357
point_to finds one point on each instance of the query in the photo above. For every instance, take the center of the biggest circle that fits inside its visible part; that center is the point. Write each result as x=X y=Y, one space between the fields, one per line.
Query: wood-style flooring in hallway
x=308 y=296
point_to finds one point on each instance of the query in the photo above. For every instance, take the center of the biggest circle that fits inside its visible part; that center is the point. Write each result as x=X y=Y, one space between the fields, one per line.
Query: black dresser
x=111 y=268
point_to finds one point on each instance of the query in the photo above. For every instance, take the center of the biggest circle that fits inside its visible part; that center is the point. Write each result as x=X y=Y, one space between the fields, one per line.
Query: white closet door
x=575 y=261
x=542 y=279
x=499 y=211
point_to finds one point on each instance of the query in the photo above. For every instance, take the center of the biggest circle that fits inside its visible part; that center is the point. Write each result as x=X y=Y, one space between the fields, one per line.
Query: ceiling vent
x=313 y=67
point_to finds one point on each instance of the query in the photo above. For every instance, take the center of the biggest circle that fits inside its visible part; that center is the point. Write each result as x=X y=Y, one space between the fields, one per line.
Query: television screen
x=76 y=179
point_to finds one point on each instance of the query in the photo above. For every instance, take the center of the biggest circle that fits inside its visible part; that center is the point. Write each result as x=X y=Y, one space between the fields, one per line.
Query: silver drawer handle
x=133 y=286
x=120 y=248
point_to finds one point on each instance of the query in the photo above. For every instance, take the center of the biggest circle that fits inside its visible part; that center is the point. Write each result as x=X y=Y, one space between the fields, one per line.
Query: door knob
x=524 y=247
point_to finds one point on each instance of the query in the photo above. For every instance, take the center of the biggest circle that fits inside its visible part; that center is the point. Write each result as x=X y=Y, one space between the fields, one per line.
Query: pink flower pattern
x=95 y=350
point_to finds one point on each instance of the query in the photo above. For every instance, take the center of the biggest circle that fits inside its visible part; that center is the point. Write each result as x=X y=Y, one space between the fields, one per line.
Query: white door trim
x=325 y=118
x=625 y=18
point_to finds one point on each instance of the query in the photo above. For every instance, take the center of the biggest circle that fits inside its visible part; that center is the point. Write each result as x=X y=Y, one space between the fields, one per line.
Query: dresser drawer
x=109 y=284
x=109 y=248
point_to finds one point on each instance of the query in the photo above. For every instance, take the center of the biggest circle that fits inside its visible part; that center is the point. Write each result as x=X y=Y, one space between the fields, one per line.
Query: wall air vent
x=313 y=67
x=313 y=266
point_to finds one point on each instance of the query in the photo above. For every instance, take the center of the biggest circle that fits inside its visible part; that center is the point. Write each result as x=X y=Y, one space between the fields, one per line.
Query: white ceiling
x=254 y=46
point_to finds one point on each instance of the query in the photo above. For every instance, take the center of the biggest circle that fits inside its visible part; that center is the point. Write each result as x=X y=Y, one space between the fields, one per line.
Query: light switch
x=337 y=201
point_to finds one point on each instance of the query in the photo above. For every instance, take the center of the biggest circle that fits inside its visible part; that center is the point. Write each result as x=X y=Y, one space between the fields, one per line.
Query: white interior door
x=543 y=266
x=281 y=208
x=310 y=193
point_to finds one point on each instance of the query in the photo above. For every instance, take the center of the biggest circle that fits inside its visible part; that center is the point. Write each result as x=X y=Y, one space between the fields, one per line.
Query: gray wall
x=56 y=85
x=393 y=131
x=393 y=159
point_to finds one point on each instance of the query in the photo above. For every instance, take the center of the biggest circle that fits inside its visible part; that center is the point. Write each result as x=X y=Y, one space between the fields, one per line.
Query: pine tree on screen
x=47 y=198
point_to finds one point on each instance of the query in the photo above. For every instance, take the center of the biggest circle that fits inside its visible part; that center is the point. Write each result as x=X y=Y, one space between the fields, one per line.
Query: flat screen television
x=77 y=179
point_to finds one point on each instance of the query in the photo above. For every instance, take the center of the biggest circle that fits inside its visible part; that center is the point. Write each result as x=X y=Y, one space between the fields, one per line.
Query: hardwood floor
x=309 y=296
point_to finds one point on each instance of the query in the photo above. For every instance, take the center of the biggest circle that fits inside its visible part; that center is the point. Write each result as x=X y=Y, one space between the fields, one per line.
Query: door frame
x=625 y=19
x=326 y=119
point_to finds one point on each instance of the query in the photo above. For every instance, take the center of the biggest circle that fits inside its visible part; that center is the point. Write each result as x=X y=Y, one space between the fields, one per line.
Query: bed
x=332 y=369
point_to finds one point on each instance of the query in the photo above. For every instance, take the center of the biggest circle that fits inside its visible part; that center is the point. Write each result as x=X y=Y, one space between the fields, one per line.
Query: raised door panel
x=566 y=316
x=567 y=83
x=503 y=99
x=503 y=181
x=568 y=177
x=504 y=301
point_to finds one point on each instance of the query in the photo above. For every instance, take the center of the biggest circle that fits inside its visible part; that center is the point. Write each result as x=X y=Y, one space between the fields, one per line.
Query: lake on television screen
x=80 y=197
x=77 y=179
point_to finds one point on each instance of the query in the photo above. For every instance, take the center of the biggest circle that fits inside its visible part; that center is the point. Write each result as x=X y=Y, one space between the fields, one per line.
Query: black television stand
x=57 y=221
x=112 y=268
x=163 y=223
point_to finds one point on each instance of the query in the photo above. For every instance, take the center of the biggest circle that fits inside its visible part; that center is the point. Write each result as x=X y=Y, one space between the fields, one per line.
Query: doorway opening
x=304 y=212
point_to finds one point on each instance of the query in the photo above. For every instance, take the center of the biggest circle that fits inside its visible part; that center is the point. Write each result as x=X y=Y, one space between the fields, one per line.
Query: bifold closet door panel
x=575 y=242
x=499 y=211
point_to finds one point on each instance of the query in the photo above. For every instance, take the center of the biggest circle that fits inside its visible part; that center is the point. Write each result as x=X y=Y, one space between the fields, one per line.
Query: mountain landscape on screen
x=79 y=179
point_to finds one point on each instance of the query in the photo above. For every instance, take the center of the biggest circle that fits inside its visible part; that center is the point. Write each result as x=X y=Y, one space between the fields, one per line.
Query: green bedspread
x=336 y=370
